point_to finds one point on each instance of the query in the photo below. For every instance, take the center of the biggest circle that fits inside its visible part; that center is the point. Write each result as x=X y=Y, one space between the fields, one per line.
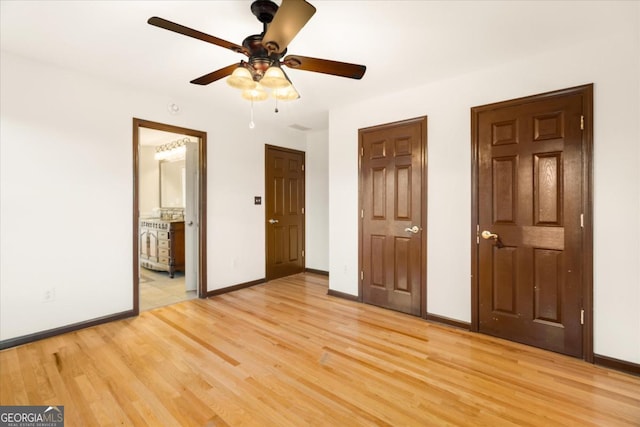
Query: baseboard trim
x=617 y=364
x=448 y=321
x=235 y=287
x=26 y=339
x=313 y=270
x=343 y=295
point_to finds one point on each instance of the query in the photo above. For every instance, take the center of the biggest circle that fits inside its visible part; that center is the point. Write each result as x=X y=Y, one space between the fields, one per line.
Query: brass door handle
x=489 y=235
x=273 y=221
x=415 y=229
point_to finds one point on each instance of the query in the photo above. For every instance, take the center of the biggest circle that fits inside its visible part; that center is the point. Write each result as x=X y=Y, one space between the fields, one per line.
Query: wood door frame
x=586 y=91
x=268 y=147
x=423 y=204
x=202 y=203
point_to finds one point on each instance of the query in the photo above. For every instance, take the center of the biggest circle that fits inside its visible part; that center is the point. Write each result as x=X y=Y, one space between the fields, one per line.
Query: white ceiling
x=402 y=43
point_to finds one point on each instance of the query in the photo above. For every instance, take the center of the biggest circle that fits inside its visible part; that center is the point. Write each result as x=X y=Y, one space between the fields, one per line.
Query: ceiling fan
x=266 y=51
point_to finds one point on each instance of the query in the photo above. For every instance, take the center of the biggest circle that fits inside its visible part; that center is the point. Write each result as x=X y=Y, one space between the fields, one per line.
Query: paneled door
x=530 y=219
x=392 y=215
x=284 y=212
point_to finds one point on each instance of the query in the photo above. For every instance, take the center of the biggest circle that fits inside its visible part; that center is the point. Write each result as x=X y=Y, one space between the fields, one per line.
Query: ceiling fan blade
x=181 y=29
x=216 y=75
x=291 y=16
x=342 y=69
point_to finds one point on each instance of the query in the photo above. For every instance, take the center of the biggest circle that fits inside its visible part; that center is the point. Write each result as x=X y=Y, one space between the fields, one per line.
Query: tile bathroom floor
x=157 y=289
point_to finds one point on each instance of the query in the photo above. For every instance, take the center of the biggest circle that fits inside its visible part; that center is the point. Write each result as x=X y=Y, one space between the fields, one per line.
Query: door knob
x=415 y=229
x=273 y=221
x=489 y=235
x=190 y=223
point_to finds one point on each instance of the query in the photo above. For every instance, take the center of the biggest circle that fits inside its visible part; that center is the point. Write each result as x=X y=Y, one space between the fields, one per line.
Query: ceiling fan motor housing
x=259 y=57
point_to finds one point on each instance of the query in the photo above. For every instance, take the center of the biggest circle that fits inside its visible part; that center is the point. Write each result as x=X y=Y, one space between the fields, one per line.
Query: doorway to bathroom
x=169 y=215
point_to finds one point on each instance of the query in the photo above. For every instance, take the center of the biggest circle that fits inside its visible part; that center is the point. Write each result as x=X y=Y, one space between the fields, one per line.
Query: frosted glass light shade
x=286 y=94
x=274 y=78
x=242 y=79
x=256 y=94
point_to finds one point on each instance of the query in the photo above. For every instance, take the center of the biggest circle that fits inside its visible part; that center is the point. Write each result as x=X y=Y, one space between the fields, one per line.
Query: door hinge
x=581 y=220
x=581 y=122
x=362 y=213
x=303 y=167
x=302 y=254
x=582 y=316
x=477 y=234
x=361 y=151
x=361 y=275
x=302 y=211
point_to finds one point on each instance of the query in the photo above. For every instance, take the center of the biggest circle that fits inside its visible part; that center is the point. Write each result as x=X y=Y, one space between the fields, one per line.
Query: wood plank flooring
x=286 y=354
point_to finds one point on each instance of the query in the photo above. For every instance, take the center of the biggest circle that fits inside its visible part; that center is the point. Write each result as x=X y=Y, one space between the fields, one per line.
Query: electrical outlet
x=49 y=295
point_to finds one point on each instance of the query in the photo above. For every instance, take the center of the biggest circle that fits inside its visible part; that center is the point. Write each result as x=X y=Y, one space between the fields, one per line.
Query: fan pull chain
x=251 y=123
x=277 y=105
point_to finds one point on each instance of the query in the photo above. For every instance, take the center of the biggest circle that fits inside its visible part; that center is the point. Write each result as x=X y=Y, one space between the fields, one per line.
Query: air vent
x=299 y=127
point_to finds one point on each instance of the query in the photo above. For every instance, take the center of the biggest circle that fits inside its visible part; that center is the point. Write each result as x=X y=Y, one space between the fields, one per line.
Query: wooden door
x=191 y=219
x=530 y=217
x=284 y=193
x=393 y=207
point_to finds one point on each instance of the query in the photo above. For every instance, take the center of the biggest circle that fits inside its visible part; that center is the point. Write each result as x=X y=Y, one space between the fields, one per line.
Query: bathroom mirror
x=172 y=184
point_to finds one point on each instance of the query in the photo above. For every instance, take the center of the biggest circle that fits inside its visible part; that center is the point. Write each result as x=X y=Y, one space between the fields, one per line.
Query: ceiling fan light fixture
x=274 y=78
x=256 y=94
x=266 y=53
x=242 y=79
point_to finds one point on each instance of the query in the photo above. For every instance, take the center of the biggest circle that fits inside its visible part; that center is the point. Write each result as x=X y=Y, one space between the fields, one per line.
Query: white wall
x=317 y=197
x=149 y=175
x=66 y=193
x=613 y=65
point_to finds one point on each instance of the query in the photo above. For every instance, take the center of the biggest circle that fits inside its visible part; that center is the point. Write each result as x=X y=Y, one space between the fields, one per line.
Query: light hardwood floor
x=286 y=354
